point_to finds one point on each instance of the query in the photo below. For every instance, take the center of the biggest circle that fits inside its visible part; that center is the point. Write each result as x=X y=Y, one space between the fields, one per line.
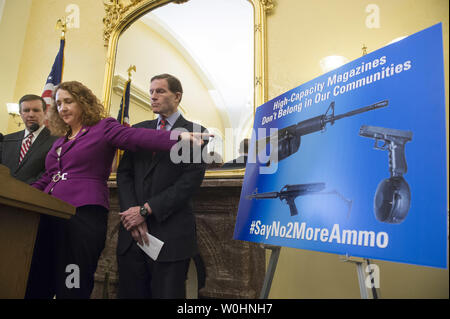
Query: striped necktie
x=25 y=147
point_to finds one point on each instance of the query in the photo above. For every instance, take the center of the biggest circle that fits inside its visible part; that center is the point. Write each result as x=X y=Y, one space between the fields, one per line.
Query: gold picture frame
x=120 y=14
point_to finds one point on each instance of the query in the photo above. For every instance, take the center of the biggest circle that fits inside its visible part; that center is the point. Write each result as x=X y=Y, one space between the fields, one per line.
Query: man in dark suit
x=155 y=197
x=24 y=154
x=32 y=164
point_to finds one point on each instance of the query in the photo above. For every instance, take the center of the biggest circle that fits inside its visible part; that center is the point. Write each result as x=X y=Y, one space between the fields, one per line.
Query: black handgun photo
x=393 y=196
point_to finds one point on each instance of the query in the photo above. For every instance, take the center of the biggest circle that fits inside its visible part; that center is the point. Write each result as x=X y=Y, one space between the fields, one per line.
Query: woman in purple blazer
x=77 y=169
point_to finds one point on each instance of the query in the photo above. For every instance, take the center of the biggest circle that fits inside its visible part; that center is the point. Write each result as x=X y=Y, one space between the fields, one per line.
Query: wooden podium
x=20 y=209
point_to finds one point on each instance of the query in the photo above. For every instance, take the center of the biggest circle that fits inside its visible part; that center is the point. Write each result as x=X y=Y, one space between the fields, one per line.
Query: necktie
x=162 y=124
x=25 y=147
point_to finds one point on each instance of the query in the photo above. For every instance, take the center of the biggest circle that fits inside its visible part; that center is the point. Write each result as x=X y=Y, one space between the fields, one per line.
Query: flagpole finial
x=62 y=25
x=364 y=49
x=131 y=68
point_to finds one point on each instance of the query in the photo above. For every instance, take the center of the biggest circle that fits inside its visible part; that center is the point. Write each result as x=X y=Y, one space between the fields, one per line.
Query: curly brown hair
x=92 y=109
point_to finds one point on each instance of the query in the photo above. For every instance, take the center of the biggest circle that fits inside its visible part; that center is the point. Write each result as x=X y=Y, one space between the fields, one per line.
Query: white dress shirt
x=35 y=133
x=170 y=121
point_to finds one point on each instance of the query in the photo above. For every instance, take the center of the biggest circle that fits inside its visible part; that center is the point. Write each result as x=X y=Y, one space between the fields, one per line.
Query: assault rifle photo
x=288 y=139
x=290 y=192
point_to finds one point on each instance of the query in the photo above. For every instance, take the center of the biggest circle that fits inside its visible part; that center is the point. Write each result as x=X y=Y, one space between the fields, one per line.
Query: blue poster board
x=354 y=161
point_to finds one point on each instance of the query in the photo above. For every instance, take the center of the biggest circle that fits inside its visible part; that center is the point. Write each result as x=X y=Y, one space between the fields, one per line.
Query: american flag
x=55 y=75
x=123 y=116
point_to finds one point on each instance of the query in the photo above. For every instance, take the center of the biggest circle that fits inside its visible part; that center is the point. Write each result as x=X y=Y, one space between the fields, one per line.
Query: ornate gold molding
x=115 y=10
x=119 y=14
x=268 y=5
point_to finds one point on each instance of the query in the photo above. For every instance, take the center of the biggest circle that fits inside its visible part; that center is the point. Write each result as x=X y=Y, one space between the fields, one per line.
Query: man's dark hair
x=32 y=97
x=172 y=82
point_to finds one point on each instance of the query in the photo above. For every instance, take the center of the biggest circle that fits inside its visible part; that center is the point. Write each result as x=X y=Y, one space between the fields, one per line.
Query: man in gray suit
x=24 y=153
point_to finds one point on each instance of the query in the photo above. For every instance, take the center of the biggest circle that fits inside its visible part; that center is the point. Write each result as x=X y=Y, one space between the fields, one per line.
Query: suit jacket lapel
x=16 y=149
x=157 y=156
x=179 y=123
x=36 y=144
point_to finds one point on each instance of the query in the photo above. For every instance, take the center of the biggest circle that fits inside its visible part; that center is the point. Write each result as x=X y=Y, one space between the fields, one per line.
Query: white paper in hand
x=153 y=248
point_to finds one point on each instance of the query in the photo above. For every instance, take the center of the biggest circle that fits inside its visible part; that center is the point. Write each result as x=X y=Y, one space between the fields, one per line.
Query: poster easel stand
x=273 y=261
x=270 y=269
x=361 y=277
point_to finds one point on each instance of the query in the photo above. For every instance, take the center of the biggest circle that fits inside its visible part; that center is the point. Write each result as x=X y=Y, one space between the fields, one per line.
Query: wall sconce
x=13 y=110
